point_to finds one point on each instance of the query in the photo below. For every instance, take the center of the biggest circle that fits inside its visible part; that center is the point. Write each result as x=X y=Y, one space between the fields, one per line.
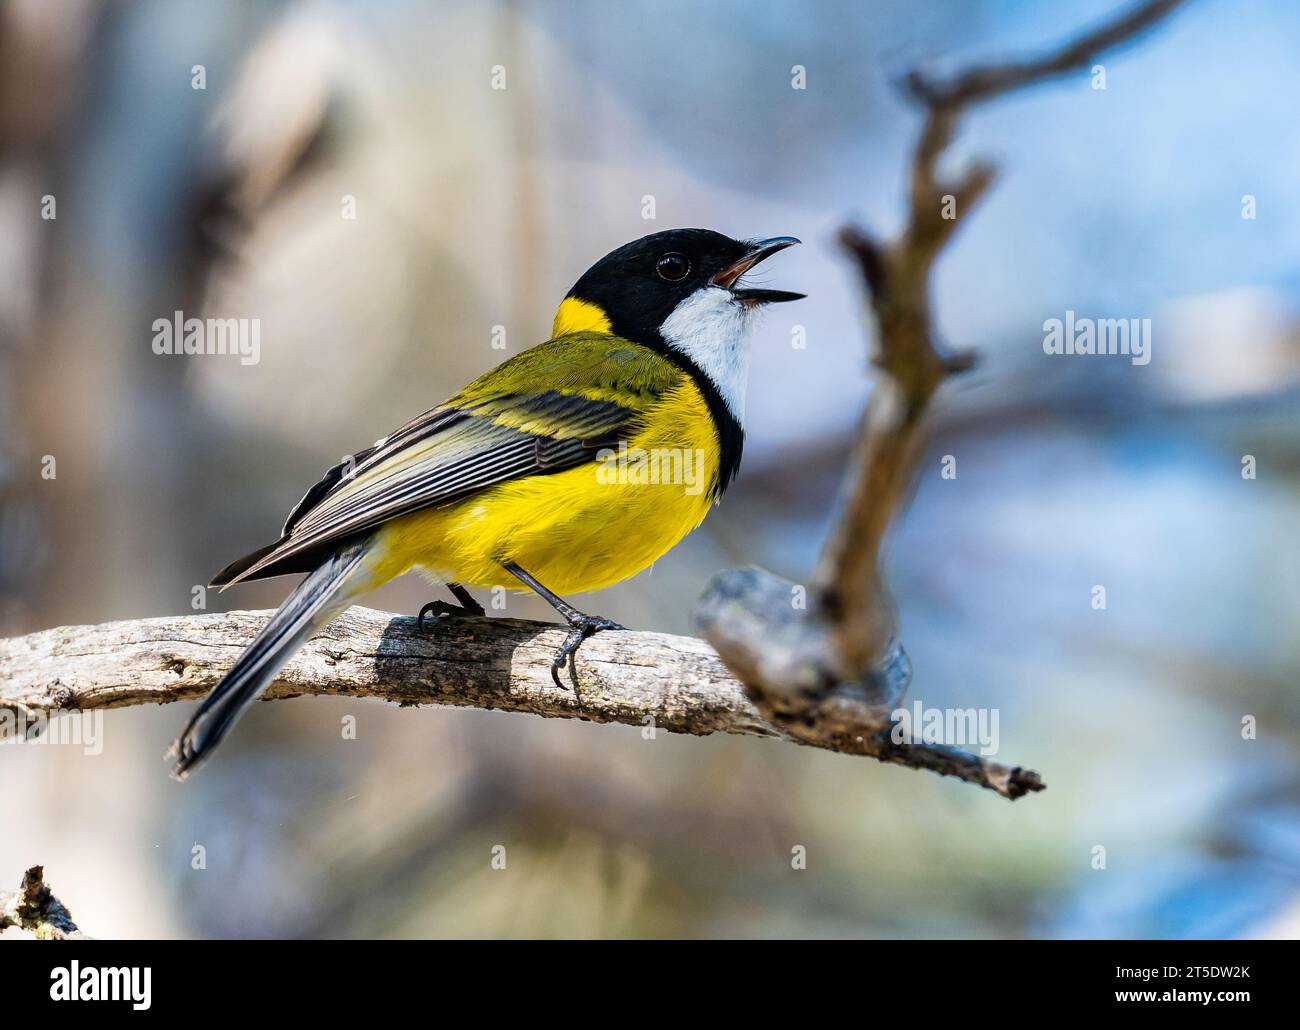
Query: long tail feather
x=316 y=601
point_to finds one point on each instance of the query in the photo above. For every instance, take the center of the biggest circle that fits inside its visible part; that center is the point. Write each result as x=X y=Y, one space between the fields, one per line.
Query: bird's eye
x=673 y=267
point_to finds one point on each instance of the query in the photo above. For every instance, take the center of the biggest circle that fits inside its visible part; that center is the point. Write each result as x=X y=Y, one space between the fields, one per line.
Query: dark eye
x=673 y=267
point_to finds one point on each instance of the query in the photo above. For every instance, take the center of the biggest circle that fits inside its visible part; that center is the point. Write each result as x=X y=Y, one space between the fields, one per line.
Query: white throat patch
x=713 y=330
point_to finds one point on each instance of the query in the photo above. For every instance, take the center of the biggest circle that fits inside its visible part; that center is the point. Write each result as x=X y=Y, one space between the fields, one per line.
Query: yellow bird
x=566 y=468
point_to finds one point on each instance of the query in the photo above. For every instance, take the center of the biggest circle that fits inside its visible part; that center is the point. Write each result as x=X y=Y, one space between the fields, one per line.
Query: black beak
x=759 y=251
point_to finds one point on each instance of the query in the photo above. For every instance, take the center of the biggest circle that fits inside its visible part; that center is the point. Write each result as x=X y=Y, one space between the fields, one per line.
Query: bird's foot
x=581 y=627
x=436 y=610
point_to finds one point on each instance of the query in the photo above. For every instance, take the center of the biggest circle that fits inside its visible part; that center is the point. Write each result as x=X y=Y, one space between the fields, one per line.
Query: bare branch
x=815 y=665
x=984 y=83
x=677 y=684
x=33 y=907
x=889 y=448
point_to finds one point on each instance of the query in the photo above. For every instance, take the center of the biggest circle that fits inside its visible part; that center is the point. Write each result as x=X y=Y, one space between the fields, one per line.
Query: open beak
x=759 y=251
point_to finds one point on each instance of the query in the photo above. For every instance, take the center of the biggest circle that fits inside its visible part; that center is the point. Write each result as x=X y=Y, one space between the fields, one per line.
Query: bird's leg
x=467 y=606
x=581 y=625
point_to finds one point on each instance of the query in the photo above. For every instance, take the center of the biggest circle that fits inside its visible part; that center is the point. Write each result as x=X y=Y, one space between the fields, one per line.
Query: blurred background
x=477 y=207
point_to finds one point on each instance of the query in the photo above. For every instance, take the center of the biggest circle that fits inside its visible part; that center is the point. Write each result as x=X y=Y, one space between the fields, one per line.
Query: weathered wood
x=34 y=908
x=677 y=684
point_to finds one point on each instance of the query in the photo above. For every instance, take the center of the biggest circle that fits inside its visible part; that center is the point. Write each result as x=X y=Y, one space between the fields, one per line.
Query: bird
x=541 y=473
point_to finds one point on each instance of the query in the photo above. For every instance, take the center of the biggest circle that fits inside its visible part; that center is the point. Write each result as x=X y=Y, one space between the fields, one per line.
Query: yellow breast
x=582 y=529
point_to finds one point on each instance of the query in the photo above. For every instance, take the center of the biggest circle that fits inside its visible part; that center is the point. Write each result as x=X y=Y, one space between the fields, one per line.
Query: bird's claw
x=440 y=609
x=580 y=628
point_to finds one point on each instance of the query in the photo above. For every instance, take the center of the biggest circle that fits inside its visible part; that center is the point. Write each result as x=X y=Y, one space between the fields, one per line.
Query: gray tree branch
x=673 y=683
x=832 y=661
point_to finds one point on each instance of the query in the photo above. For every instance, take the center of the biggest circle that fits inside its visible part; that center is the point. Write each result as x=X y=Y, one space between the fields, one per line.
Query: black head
x=679 y=292
x=639 y=285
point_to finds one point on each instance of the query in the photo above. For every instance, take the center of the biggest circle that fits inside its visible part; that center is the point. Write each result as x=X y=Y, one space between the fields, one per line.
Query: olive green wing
x=545 y=410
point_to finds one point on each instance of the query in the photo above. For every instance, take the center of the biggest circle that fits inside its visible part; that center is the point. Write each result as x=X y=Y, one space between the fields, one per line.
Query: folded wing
x=548 y=409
